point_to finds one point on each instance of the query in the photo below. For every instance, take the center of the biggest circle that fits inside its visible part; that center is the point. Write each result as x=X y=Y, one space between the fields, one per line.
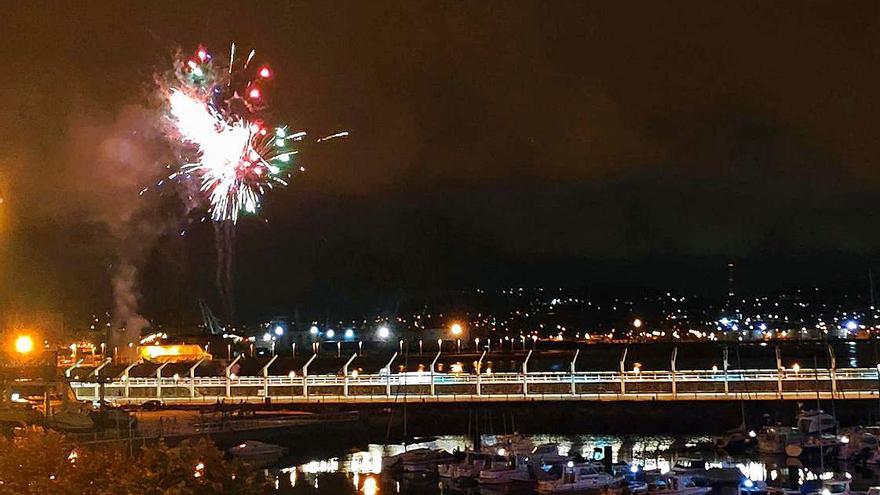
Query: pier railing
x=756 y=384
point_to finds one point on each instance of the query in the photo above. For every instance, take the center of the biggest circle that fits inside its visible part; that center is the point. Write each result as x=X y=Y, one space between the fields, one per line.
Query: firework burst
x=216 y=111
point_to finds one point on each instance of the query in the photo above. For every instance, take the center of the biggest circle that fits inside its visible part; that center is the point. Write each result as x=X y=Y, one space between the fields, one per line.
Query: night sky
x=577 y=143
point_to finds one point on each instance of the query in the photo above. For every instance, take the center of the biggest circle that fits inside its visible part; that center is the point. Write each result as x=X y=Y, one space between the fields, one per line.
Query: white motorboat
x=516 y=470
x=425 y=462
x=815 y=422
x=257 y=454
x=396 y=461
x=422 y=460
x=685 y=465
x=546 y=453
x=505 y=476
x=577 y=478
x=470 y=466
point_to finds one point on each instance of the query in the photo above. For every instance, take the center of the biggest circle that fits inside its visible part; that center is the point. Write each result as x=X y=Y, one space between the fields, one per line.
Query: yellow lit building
x=172 y=353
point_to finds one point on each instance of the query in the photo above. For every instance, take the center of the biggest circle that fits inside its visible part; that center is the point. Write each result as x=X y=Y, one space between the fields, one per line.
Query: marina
x=675 y=465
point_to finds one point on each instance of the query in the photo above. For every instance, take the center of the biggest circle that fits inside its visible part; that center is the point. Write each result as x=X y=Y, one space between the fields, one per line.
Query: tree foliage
x=37 y=462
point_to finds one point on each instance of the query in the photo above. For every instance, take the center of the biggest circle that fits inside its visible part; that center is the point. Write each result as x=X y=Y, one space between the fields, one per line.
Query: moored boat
x=257 y=454
x=815 y=422
x=516 y=470
x=422 y=460
x=469 y=466
x=577 y=478
x=775 y=439
x=858 y=444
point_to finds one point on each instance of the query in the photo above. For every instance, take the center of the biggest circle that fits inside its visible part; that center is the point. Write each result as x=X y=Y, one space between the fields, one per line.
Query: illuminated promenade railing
x=765 y=384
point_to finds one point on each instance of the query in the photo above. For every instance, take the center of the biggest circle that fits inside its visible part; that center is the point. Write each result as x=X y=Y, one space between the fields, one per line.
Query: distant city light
x=384 y=332
x=724 y=321
x=851 y=325
x=279 y=330
x=637 y=323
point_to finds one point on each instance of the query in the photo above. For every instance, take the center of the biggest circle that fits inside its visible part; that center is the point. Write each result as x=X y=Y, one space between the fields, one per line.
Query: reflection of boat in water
x=257 y=454
x=577 y=478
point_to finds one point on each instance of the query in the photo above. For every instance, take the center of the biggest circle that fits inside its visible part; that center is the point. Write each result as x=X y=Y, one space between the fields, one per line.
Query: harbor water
x=357 y=469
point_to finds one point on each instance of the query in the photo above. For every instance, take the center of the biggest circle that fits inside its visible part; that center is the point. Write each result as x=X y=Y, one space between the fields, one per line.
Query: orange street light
x=455 y=329
x=24 y=344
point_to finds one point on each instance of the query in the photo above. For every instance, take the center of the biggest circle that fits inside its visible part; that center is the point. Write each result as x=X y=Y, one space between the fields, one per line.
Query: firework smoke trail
x=224 y=237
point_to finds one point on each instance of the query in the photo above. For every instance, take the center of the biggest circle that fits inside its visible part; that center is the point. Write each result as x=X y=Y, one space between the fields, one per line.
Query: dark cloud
x=491 y=141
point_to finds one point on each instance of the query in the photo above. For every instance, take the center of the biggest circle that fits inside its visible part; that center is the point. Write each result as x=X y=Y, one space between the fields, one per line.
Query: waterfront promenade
x=350 y=387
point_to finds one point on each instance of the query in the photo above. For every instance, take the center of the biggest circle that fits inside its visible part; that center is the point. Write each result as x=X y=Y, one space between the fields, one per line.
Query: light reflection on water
x=361 y=472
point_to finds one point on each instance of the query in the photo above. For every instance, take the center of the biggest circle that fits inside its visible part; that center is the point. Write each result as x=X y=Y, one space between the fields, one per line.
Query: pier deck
x=691 y=385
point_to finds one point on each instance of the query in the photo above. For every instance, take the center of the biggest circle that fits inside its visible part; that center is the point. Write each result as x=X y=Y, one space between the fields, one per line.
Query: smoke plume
x=121 y=157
